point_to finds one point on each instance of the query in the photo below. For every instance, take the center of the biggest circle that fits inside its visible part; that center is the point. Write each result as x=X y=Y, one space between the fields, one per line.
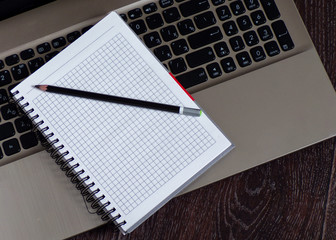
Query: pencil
x=121 y=100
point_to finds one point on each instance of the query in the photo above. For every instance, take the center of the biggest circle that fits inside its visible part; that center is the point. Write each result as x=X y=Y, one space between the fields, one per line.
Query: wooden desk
x=293 y=197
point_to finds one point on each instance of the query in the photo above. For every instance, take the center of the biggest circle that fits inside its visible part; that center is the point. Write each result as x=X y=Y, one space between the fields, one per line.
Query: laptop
x=250 y=64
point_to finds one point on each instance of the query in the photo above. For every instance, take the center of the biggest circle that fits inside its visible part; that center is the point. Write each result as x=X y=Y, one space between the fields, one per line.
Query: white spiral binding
x=76 y=176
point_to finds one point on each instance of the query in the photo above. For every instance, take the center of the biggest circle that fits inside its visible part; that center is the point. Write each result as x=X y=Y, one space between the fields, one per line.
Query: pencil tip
x=42 y=87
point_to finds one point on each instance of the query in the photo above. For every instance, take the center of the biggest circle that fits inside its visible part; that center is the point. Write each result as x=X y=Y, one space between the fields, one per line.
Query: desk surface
x=293 y=197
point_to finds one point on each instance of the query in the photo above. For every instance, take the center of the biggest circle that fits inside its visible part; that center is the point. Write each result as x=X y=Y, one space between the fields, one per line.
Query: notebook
x=126 y=161
x=268 y=109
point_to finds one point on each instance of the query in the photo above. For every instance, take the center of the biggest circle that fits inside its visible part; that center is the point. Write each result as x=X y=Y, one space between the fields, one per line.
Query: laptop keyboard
x=197 y=40
x=201 y=40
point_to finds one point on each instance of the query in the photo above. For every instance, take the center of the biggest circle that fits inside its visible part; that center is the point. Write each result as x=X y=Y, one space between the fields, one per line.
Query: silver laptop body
x=268 y=107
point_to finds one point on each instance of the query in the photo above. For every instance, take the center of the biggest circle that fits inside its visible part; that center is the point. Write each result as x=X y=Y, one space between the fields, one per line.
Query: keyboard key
x=169 y=33
x=12 y=59
x=230 y=28
x=166 y=3
x=154 y=21
x=152 y=39
x=237 y=8
x=251 y=4
x=28 y=53
x=258 y=54
x=200 y=57
x=205 y=20
x=282 y=34
x=193 y=6
x=87 y=28
x=58 y=42
x=7 y=130
x=41 y=138
x=272 y=48
x=9 y=111
x=135 y=13
x=123 y=16
x=258 y=17
x=5 y=78
x=23 y=124
x=186 y=26
x=171 y=15
x=205 y=37
x=243 y=59
x=11 y=87
x=271 y=10
x=43 y=48
x=73 y=36
x=49 y=56
x=244 y=23
x=11 y=147
x=3 y=96
x=228 y=65
x=1 y=154
x=28 y=140
x=20 y=71
x=138 y=27
x=192 y=78
x=221 y=49
x=35 y=64
x=2 y=65
x=163 y=53
x=149 y=8
x=237 y=43
x=217 y=2
x=223 y=13
x=251 y=38
x=286 y=43
x=265 y=33
x=214 y=70
x=179 y=47
x=177 y=65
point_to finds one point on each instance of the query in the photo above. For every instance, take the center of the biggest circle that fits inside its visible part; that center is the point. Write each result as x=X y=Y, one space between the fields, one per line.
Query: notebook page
x=139 y=158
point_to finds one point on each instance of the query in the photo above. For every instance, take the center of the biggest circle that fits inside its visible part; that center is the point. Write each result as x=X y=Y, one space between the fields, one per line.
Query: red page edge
x=181 y=86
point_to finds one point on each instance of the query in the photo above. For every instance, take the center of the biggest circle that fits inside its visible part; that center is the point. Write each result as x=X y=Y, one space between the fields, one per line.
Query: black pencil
x=121 y=100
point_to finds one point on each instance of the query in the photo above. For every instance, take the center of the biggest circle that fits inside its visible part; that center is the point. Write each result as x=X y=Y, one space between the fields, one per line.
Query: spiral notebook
x=126 y=161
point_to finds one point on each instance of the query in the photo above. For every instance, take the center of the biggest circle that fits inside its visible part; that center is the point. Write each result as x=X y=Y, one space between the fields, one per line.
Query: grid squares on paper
x=131 y=151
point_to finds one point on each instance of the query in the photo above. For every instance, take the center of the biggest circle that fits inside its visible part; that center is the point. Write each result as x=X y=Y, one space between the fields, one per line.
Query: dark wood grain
x=329 y=228
x=293 y=197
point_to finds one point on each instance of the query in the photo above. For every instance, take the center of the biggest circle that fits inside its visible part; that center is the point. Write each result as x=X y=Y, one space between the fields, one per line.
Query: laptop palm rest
x=40 y=200
x=260 y=123
x=269 y=112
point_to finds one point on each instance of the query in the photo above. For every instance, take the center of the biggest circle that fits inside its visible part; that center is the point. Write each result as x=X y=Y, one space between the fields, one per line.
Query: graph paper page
x=139 y=158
